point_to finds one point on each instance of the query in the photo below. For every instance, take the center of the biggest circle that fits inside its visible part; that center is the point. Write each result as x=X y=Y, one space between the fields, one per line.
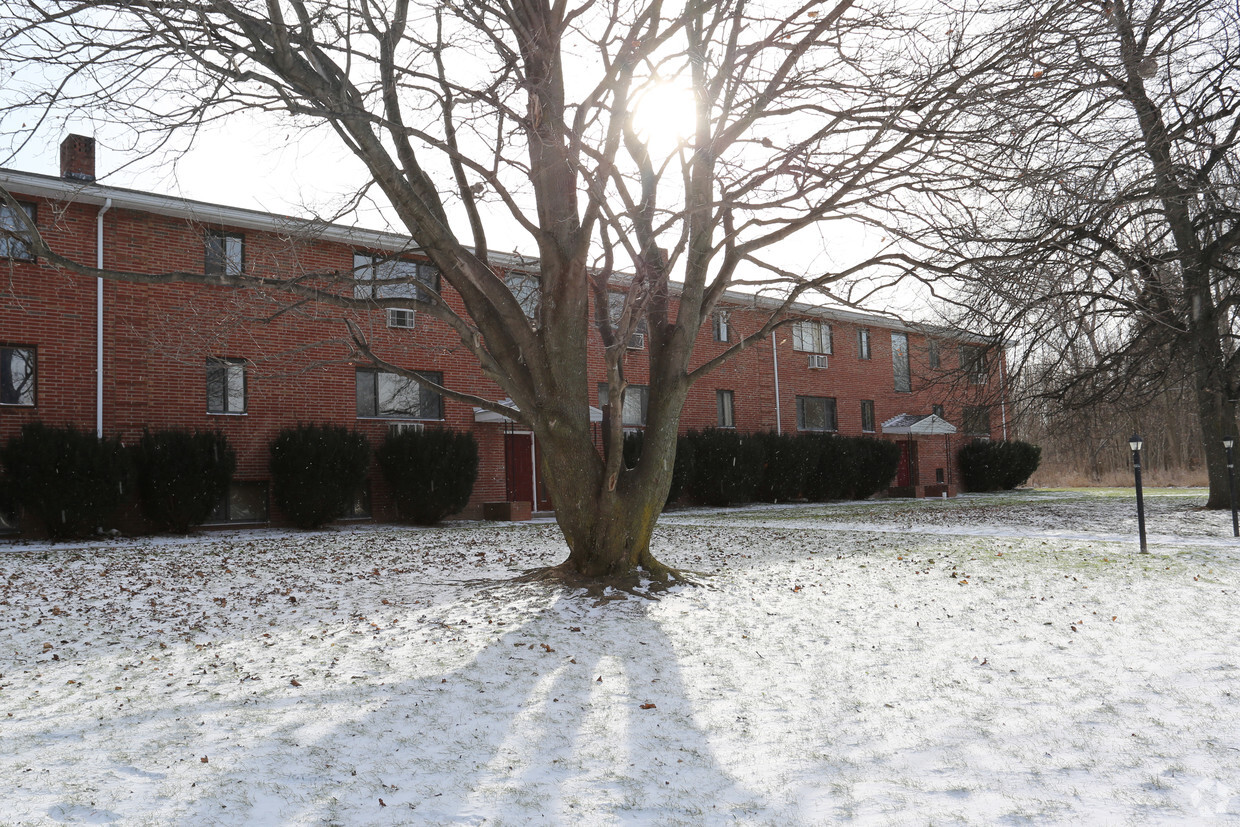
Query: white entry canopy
x=483 y=415
x=918 y=424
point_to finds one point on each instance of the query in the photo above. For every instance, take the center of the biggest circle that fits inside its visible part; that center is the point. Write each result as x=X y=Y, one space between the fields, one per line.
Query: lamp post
x=1135 y=444
x=1229 y=442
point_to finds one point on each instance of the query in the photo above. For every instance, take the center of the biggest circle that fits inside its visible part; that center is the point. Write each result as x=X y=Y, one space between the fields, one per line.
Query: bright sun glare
x=663 y=116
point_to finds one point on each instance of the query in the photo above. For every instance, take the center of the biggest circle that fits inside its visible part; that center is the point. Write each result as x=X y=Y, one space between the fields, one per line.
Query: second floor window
x=226 y=390
x=976 y=420
x=936 y=361
x=225 y=254
x=721 y=326
x=527 y=290
x=863 y=343
x=811 y=337
x=615 y=308
x=17 y=245
x=973 y=363
x=392 y=396
x=899 y=362
x=378 y=277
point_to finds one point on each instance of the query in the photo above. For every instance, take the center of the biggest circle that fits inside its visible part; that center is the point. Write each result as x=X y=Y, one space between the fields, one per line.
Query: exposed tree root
x=643 y=582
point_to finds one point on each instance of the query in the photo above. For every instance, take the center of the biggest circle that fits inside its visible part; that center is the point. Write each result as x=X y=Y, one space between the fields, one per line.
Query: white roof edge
x=84 y=192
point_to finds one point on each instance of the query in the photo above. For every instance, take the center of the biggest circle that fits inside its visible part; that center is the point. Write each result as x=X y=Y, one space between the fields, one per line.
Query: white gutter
x=107 y=205
x=775 y=359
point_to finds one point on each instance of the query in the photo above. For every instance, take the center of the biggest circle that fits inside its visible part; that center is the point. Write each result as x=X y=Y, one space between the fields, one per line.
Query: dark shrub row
x=994 y=466
x=74 y=483
x=720 y=467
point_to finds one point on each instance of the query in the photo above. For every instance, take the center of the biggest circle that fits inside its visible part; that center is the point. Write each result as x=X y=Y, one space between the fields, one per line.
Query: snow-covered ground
x=992 y=659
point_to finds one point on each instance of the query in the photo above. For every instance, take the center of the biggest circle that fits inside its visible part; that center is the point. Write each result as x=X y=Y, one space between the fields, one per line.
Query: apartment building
x=119 y=356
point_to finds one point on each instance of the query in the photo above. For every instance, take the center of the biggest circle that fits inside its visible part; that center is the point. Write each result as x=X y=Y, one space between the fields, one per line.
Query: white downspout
x=1002 y=395
x=107 y=205
x=775 y=359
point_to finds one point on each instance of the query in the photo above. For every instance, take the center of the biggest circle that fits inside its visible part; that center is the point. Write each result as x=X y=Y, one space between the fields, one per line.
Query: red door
x=906 y=471
x=521 y=480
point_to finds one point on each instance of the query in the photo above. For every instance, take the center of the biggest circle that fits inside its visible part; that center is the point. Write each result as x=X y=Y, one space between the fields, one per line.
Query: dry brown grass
x=1062 y=476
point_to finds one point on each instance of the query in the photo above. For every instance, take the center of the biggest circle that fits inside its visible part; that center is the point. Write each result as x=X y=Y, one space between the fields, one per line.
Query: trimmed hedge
x=182 y=476
x=994 y=466
x=874 y=466
x=785 y=464
x=431 y=473
x=316 y=471
x=71 y=481
x=726 y=466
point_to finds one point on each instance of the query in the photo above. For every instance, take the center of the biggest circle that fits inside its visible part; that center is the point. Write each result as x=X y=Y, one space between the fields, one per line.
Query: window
x=414 y=279
x=899 y=362
x=245 y=502
x=935 y=361
x=811 y=337
x=392 y=396
x=937 y=410
x=815 y=413
x=636 y=401
x=863 y=343
x=973 y=363
x=720 y=326
x=17 y=375
x=976 y=420
x=527 y=290
x=723 y=404
x=615 y=307
x=359 y=505
x=867 y=416
x=16 y=246
x=226 y=386
x=225 y=254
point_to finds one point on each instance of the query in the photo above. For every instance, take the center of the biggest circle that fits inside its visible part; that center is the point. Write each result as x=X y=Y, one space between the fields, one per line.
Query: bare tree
x=1109 y=240
x=802 y=115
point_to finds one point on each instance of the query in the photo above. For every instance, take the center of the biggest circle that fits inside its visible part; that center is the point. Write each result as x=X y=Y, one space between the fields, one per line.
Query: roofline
x=87 y=192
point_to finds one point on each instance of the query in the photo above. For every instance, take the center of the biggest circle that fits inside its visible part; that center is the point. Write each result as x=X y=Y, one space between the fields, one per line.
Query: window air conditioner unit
x=400 y=317
x=401 y=427
x=818 y=361
x=637 y=341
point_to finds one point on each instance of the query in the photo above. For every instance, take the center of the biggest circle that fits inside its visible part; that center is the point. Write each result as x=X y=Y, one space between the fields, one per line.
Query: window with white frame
x=15 y=243
x=973 y=364
x=527 y=290
x=720 y=324
x=899 y=363
x=226 y=389
x=867 y=416
x=225 y=254
x=816 y=413
x=382 y=277
x=811 y=337
x=387 y=395
x=976 y=420
x=724 y=405
x=636 y=399
x=615 y=308
x=863 y=343
x=17 y=375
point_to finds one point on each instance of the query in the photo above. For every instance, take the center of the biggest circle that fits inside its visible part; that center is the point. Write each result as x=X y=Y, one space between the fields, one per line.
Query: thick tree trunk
x=1215 y=409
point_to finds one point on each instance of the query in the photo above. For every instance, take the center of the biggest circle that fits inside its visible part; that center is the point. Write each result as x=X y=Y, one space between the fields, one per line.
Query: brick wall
x=159 y=336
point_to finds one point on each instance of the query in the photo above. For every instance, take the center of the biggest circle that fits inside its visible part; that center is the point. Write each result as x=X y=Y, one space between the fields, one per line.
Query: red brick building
x=117 y=356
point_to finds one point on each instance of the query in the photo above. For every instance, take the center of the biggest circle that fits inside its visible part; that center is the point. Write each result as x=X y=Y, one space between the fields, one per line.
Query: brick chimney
x=77 y=158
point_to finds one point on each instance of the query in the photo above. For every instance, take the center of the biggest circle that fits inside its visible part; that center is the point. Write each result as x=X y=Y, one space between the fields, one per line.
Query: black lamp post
x=1229 y=442
x=1135 y=444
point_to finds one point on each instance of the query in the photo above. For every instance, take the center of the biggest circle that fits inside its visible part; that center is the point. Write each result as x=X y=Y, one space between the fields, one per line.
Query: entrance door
x=906 y=471
x=521 y=472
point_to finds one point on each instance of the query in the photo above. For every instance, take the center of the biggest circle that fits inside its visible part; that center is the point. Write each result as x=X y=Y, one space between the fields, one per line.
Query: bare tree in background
x=803 y=115
x=1109 y=241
